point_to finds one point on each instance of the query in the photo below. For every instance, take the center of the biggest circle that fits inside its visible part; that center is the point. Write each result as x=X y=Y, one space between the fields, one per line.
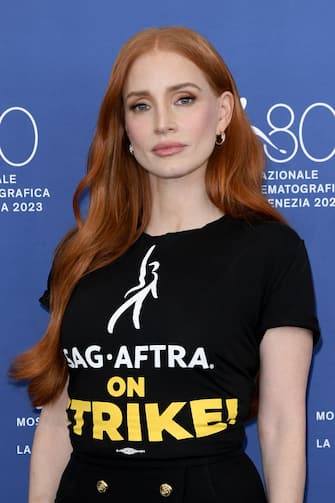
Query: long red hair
x=120 y=199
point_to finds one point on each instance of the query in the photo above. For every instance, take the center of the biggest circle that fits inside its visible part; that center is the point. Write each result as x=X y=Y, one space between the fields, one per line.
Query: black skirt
x=231 y=478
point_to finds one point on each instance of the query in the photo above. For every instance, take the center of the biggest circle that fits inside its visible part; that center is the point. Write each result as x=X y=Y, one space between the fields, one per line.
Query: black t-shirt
x=163 y=344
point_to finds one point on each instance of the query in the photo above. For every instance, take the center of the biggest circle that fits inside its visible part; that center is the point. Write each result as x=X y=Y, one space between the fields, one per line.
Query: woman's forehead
x=163 y=69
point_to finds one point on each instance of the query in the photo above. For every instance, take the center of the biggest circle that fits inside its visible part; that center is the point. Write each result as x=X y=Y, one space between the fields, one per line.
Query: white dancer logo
x=142 y=289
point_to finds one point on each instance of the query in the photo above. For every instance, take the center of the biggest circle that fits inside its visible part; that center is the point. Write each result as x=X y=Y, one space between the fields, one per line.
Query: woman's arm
x=51 y=451
x=285 y=355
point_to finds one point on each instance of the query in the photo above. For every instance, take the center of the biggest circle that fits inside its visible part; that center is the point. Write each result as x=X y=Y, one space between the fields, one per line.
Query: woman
x=177 y=290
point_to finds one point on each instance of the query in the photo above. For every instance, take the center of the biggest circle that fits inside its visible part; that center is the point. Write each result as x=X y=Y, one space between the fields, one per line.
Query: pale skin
x=285 y=355
x=51 y=451
x=169 y=101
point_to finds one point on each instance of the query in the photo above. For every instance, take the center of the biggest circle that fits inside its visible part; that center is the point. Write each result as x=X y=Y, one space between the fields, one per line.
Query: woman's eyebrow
x=175 y=87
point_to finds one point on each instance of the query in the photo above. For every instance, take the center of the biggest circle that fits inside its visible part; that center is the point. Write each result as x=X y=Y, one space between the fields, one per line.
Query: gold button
x=102 y=486
x=165 y=490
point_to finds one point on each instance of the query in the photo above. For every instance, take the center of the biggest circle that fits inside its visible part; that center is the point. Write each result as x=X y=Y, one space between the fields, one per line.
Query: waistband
x=145 y=463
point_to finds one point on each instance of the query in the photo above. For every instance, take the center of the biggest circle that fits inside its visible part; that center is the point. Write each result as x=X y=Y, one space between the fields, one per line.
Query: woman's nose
x=164 y=120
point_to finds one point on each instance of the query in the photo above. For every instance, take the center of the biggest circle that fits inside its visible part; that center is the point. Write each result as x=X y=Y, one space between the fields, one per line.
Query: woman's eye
x=139 y=107
x=185 y=100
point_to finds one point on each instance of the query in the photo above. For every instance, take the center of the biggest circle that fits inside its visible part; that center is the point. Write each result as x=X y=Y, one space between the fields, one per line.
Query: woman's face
x=172 y=115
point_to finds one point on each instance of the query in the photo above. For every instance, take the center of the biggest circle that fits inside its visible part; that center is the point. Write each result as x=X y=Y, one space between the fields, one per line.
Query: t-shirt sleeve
x=45 y=297
x=289 y=299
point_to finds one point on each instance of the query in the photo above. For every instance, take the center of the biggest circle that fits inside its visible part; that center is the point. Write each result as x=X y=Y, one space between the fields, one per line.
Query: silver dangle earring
x=131 y=149
x=220 y=138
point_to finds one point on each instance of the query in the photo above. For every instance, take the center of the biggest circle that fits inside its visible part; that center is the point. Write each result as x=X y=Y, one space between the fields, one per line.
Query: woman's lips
x=166 y=149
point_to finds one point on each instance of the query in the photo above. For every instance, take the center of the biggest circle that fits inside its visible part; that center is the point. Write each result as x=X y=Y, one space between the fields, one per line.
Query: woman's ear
x=226 y=107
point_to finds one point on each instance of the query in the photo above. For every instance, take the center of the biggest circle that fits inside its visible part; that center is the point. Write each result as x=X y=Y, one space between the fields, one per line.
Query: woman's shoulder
x=277 y=231
x=265 y=234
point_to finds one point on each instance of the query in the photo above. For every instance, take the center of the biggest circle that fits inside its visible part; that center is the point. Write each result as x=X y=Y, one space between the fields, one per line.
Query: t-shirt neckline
x=187 y=231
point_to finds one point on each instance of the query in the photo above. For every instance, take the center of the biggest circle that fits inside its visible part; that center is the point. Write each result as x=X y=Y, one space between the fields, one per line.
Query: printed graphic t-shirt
x=162 y=345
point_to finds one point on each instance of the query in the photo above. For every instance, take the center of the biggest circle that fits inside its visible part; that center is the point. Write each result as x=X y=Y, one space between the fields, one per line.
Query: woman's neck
x=179 y=204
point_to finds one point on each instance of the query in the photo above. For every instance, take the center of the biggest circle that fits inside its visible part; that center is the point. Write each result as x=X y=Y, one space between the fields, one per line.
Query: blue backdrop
x=55 y=62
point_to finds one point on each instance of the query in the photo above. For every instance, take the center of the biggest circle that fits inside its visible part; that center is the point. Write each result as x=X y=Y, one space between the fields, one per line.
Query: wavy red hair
x=120 y=199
